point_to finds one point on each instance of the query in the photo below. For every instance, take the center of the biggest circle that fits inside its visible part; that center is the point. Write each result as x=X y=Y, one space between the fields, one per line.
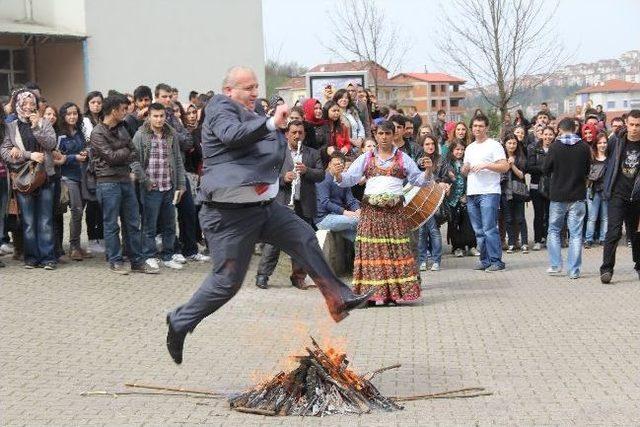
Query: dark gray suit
x=305 y=208
x=239 y=150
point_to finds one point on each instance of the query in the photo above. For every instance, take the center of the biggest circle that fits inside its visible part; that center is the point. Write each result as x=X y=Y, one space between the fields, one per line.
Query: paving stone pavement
x=553 y=351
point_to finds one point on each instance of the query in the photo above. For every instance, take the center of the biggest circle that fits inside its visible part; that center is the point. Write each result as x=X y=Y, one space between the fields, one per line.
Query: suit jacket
x=237 y=148
x=315 y=173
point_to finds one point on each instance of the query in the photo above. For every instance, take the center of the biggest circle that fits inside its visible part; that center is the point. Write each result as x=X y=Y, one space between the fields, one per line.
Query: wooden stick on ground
x=256 y=411
x=180 y=390
x=145 y=393
x=452 y=394
x=372 y=374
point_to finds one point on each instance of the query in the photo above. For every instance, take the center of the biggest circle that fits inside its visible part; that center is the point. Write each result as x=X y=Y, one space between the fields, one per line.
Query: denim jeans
x=118 y=199
x=575 y=212
x=37 y=224
x=187 y=243
x=596 y=207
x=483 y=213
x=158 y=214
x=4 y=199
x=430 y=242
x=345 y=225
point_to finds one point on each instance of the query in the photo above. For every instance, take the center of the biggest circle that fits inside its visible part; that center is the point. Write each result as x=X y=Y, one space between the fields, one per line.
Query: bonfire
x=322 y=384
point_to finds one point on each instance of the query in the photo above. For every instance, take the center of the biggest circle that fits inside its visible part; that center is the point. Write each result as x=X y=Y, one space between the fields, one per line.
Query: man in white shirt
x=484 y=162
x=243 y=155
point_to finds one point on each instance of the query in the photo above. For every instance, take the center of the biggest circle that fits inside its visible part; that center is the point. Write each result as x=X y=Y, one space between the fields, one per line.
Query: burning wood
x=321 y=385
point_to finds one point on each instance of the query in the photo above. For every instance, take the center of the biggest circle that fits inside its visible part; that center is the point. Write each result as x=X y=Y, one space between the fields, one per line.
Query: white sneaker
x=474 y=252
x=179 y=258
x=6 y=248
x=554 y=270
x=423 y=266
x=459 y=253
x=435 y=266
x=96 y=247
x=199 y=258
x=172 y=264
x=152 y=263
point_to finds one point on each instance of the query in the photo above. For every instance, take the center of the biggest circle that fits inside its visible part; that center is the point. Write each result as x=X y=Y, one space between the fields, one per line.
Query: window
x=625 y=104
x=433 y=103
x=13 y=69
x=455 y=103
x=443 y=103
x=443 y=88
x=611 y=105
x=456 y=88
x=433 y=88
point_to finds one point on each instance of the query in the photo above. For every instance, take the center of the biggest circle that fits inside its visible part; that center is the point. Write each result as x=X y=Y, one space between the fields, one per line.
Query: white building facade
x=70 y=47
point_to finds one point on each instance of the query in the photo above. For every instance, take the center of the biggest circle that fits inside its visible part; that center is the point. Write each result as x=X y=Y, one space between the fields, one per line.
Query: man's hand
x=466 y=167
x=445 y=187
x=81 y=157
x=37 y=157
x=301 y=168
x=479 y=167
x=357 y=212
x=289 y=177
x=330 y=150
x=336 y=169
x=280 y=116
x=15 y=153
x=344 y=150
x=142 y=113
x=511 y=160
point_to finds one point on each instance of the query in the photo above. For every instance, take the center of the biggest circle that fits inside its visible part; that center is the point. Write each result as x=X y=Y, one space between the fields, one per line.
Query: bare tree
x=505 y=47
x=361 y=31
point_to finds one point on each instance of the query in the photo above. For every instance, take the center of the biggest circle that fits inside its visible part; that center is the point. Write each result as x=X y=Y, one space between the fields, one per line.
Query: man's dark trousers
x=231 y=235
x=271 y=254
x=620 y=210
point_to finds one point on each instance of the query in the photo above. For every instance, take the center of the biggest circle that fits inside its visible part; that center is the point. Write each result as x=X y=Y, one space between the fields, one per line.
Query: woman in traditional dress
x=384 y=258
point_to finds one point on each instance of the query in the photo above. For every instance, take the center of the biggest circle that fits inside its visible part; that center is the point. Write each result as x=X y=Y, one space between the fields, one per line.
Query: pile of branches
x=322 y=384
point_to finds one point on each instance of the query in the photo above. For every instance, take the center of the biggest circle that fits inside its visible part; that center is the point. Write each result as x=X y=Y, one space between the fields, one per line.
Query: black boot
x=262 y=281
x=175 y=342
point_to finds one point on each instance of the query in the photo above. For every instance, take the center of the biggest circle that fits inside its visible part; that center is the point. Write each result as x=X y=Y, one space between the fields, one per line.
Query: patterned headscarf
x=21 y=98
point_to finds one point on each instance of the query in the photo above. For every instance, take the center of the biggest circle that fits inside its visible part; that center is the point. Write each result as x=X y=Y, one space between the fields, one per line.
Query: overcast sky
x=590 y=29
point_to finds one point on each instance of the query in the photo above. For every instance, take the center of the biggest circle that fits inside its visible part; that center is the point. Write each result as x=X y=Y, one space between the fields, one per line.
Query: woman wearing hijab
x=314 y=124
x=31 y=138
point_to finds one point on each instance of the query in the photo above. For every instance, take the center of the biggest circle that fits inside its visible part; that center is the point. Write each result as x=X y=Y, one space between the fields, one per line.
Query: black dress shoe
x=262 y=281
x=297 y=282
x=175 y=343
x=605 y=277
x=351 y=303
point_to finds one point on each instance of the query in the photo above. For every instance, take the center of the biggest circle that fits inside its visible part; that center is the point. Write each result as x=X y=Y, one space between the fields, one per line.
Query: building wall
x=611 y=101
x=60 y=72
x=188 y=44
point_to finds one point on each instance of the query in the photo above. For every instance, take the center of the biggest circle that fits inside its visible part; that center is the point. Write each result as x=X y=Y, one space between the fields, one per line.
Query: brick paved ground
x=553 y=351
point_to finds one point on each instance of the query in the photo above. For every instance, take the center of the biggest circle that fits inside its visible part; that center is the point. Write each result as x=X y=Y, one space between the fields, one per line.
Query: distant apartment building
x=626 y=68
x=428 y=92
x=73 y=46
x=615 y=96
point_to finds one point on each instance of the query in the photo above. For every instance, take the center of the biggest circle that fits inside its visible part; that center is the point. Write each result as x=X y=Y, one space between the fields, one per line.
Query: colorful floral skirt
x=384 y=259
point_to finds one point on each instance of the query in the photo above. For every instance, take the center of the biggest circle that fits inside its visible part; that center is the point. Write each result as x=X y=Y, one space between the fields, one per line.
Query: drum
x=421 y=203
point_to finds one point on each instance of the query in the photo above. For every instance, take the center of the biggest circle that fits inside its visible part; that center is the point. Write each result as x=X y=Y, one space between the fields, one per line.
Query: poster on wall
x=317 y=83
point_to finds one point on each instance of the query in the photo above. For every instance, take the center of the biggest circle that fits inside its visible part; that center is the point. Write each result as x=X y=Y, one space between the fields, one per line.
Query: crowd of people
x=130 y=166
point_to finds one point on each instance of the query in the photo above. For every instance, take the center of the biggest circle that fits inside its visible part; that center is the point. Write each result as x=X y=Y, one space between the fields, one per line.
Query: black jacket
x=112 y=153
x=314 y=174
x=237 y=148
x=535 y=159
x=569 y=167
x=614 y=156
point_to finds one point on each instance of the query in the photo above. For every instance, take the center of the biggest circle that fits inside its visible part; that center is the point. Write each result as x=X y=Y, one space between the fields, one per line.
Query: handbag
x=29 y=177
x=519 y=190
